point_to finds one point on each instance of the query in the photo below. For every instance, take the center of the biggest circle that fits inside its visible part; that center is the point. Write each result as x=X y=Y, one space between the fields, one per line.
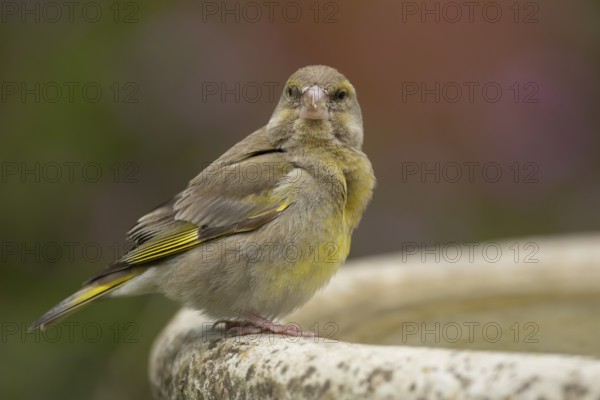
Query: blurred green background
x=109 y=108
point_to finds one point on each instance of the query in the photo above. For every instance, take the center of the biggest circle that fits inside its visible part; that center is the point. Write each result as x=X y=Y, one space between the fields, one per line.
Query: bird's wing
x=244 y=189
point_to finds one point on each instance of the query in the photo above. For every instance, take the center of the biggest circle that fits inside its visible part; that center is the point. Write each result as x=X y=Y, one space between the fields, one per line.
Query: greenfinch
x=262 y=228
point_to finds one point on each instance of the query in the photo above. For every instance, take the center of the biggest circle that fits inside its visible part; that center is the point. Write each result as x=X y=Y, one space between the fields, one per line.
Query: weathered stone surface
x=192 y=361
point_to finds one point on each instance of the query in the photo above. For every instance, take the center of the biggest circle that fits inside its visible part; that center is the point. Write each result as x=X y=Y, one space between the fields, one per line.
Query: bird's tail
x=88 y=293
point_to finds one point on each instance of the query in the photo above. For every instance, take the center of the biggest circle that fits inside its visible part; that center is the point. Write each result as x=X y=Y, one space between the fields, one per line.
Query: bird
x=260 y=230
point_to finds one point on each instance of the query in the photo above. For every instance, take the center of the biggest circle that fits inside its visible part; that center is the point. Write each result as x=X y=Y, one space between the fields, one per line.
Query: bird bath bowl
x=546 y=302
x=415 y=325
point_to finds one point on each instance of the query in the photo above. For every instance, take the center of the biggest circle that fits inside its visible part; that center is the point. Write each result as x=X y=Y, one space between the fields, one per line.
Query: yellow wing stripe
x=92 y=292
x=79 y=299
x=163 y=247
x=165 y=243
x=184 y=240
x=171 y=239
x=279 y=209
x=283 y=206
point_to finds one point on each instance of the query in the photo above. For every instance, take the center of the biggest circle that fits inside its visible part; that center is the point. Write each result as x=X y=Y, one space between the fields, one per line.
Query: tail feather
x=82 y=297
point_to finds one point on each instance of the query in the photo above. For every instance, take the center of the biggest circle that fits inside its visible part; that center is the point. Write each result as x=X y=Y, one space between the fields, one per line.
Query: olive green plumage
x=266 y=225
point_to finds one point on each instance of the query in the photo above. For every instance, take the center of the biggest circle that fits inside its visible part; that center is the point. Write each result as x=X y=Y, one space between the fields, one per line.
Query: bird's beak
x=314 y=103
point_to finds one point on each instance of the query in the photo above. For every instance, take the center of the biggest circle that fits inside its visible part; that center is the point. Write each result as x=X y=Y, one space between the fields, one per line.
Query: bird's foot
x=254 y=324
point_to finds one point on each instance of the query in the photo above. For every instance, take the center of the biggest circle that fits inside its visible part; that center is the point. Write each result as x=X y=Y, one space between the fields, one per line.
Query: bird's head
x=320 y=100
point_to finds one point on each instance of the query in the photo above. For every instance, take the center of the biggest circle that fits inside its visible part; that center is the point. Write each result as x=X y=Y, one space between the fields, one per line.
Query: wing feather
x=241 y=191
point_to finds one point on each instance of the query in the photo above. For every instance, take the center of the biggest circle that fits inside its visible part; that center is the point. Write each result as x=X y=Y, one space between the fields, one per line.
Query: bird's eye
x=292 y=91
x=341 y=95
